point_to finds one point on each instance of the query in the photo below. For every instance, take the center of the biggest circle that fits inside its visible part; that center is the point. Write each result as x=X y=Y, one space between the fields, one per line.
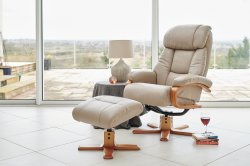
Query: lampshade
x=120 y=49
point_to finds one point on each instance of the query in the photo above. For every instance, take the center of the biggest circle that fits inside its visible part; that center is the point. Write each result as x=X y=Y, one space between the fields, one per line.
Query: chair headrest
x=187 y=37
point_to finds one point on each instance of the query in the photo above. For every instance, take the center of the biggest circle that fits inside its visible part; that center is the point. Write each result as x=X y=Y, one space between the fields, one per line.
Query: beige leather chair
x=178 y=78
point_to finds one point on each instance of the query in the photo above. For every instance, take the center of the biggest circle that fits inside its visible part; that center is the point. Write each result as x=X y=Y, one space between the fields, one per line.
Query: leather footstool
x=107 y=112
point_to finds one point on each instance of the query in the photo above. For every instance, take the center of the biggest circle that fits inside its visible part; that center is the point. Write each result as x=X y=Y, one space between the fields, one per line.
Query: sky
x=123 y=19
x=229 y=19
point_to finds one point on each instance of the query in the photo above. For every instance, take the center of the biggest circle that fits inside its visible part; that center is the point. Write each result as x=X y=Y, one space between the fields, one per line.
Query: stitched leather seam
x=191 y=62
x=194 y=34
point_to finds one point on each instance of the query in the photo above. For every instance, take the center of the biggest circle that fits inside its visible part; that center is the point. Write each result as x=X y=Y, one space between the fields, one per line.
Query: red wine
x=205 y=120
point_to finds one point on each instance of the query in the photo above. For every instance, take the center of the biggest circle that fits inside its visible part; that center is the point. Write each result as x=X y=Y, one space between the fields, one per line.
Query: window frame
x=39 y=64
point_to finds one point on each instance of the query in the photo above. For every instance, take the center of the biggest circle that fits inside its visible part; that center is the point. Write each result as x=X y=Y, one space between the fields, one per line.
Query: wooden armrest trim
x=174 y=91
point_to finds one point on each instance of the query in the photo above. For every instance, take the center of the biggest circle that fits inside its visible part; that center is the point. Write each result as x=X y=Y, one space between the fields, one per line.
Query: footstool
x=107 y=112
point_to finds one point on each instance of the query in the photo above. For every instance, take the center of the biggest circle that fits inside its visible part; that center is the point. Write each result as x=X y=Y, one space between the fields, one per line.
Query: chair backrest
x=187 y=51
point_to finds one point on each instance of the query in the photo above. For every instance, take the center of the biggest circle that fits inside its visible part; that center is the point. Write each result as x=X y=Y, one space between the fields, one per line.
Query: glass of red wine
x=205 y=118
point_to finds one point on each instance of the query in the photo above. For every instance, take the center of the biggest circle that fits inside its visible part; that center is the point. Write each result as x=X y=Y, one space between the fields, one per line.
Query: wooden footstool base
x=109 y=145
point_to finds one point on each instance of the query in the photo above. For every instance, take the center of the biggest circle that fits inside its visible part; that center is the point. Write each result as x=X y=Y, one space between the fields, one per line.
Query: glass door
x=17 y=50
x=76 y=35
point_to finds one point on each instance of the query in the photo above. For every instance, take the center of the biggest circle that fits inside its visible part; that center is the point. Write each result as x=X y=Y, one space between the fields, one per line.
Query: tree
x=246 y=47
x=238 y=57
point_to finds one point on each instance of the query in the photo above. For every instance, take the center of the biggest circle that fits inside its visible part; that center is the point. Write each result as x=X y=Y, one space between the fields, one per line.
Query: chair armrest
x=186 y=91
x=149 y=94
x=142 y=76
x=195 y=80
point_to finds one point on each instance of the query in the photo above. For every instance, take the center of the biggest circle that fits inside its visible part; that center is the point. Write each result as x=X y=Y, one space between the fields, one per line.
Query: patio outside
x=73 y=67
x=78 y=84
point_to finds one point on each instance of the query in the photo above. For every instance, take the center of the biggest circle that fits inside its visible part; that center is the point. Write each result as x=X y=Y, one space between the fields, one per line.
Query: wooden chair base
x=109 y=145
x=165 y=129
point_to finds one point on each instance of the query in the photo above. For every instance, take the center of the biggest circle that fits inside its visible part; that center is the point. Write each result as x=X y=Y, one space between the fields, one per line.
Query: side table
x=106 y=88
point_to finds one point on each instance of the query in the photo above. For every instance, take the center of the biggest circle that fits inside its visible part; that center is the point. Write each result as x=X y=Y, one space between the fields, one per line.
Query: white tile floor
x=48 y=136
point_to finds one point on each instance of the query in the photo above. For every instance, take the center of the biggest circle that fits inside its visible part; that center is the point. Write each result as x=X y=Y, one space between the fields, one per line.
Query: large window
x=229 y=64
x=17 y=49
x=76 y=35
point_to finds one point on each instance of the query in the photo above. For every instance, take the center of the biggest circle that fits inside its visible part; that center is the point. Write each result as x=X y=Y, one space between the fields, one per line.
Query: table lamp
x=120 y=49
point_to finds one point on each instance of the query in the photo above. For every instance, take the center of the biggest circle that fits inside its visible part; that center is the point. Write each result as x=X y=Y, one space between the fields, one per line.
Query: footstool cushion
x=106 y=111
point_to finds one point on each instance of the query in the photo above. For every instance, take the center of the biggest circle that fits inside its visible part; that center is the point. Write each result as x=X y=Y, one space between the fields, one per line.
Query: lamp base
x=120 y=71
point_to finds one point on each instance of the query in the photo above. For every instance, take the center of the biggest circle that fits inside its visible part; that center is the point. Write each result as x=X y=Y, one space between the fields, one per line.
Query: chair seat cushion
x=106 y=111
x=150 y=94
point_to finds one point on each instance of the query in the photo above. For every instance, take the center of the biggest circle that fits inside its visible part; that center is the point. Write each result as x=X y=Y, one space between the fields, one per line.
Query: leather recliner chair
x=178 y=78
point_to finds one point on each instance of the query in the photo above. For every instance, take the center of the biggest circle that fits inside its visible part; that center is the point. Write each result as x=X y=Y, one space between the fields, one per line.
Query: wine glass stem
x=205 y=128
